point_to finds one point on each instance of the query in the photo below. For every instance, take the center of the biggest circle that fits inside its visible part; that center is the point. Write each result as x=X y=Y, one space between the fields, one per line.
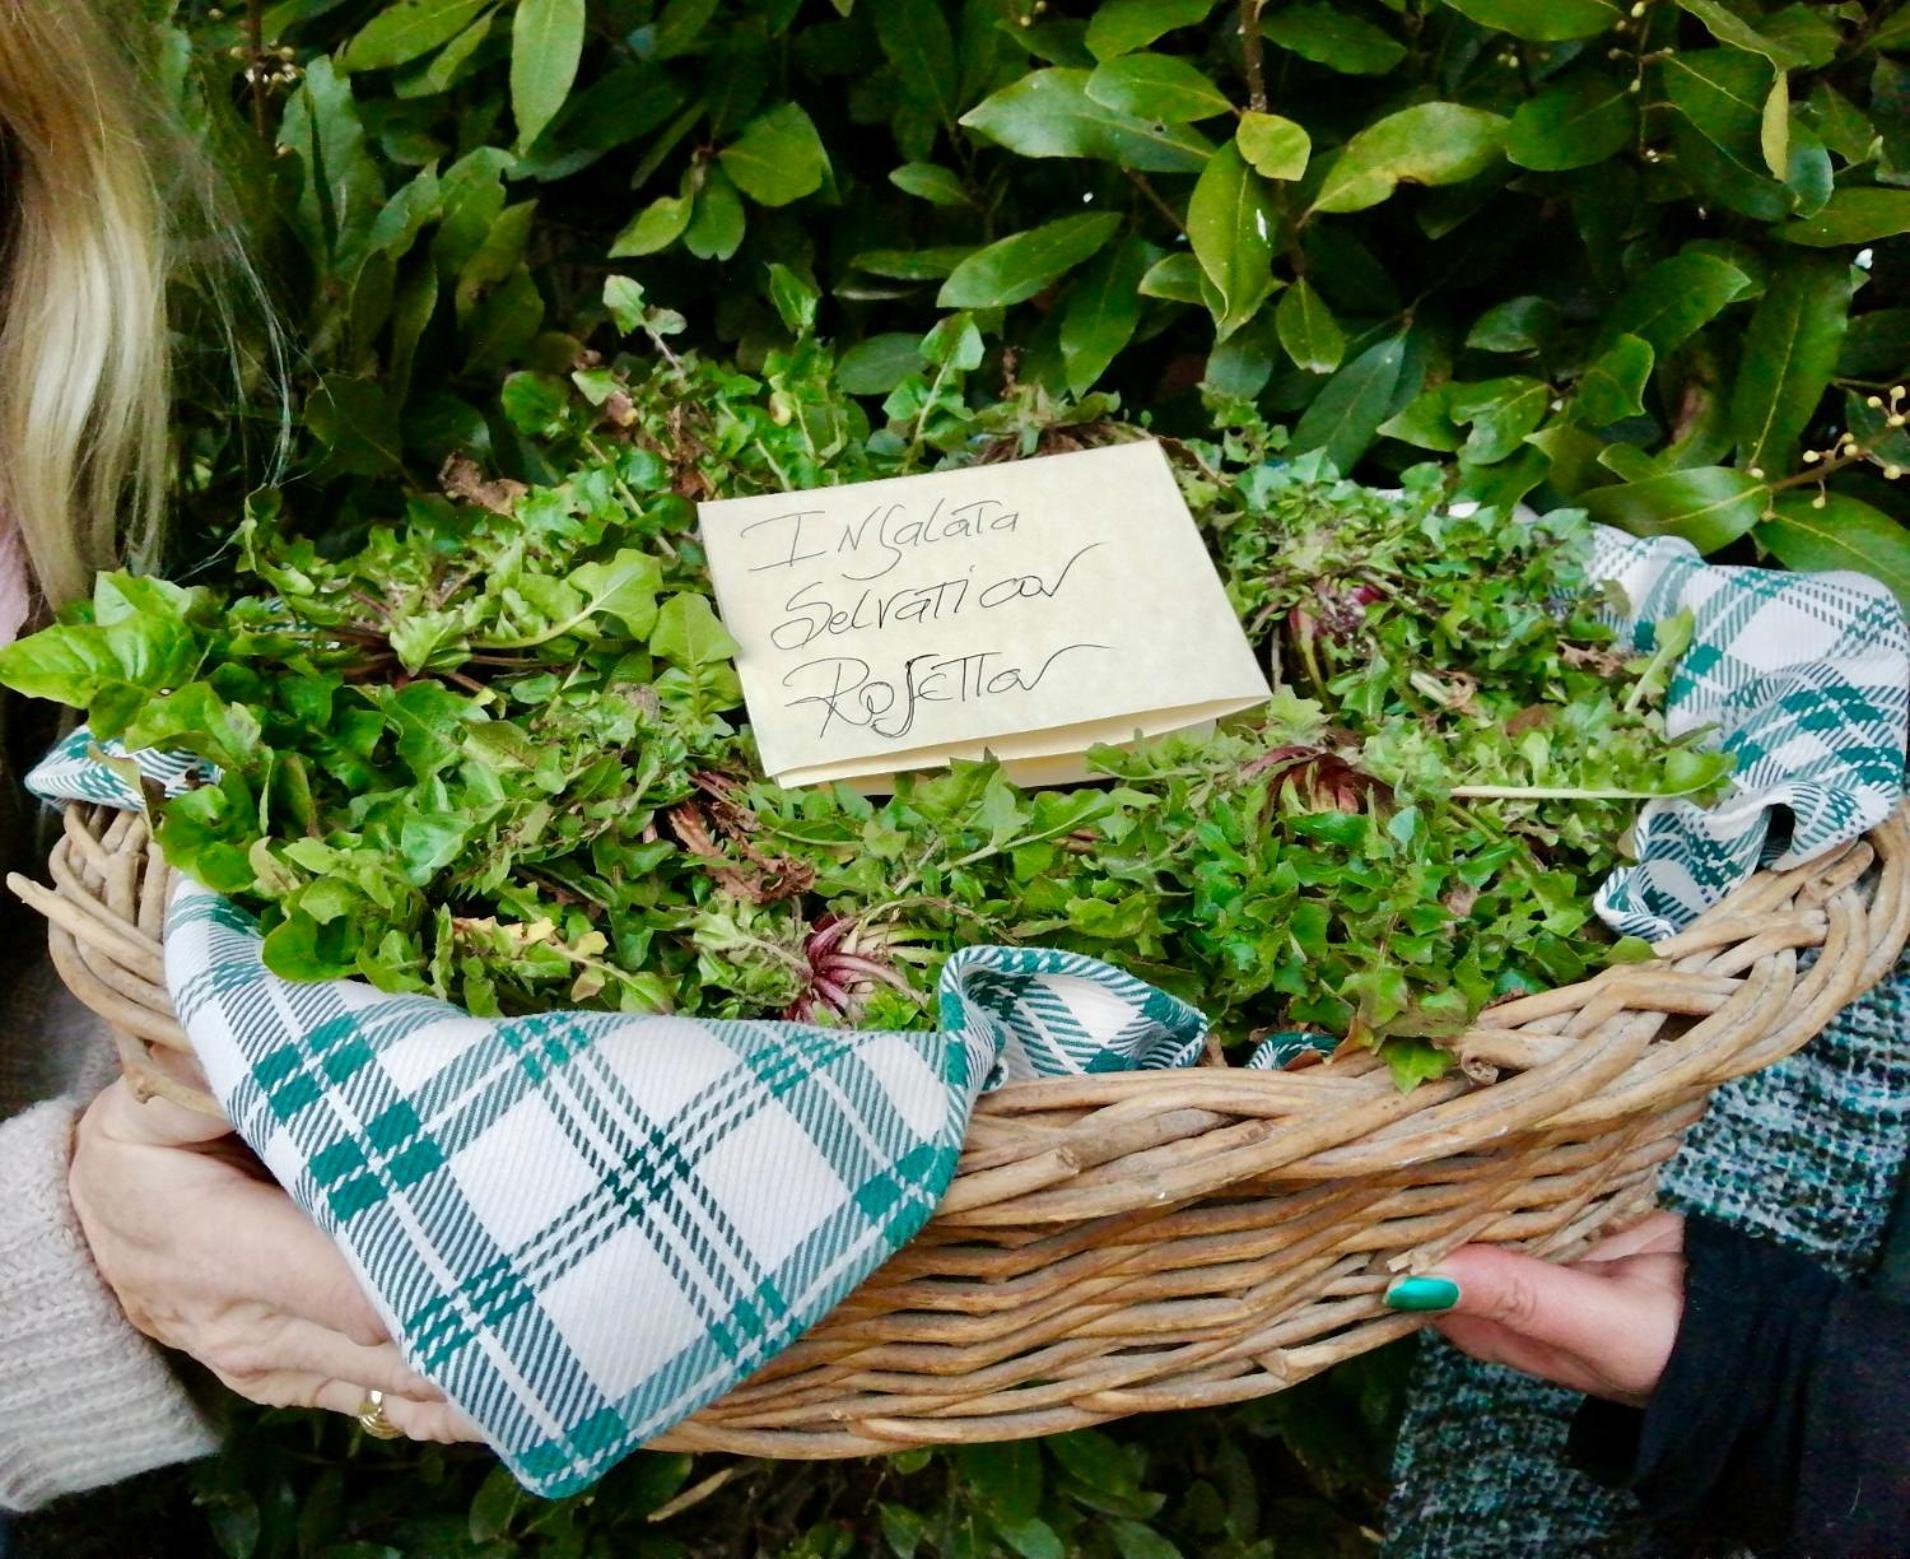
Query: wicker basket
x=1135 y=1242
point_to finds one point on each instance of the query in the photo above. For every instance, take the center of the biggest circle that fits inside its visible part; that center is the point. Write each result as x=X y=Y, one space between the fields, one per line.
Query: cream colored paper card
x=1029 y=609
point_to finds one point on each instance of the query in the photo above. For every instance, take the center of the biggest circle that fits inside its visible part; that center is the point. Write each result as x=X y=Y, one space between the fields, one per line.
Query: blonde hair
x=85 y=378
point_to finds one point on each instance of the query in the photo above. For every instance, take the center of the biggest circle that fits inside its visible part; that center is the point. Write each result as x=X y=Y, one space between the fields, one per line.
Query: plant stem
x=1815 y=474
x=921 y=418
x=1251 y=57
x=623 y=489
x=1550 y=793
x=1171 y=216
x=255 y=41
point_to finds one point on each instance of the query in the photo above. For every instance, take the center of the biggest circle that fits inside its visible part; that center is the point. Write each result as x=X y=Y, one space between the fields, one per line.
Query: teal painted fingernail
x=1421 y=1293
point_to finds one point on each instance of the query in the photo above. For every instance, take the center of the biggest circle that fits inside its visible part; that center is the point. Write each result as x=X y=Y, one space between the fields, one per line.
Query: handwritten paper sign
x=1029 y=609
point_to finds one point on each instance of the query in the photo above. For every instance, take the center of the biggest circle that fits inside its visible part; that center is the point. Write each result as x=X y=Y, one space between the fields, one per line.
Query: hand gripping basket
x=1135 y=1242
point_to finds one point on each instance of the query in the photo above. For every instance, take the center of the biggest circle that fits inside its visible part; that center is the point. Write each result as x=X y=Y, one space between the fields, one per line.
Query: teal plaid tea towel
x=583 y=1226
x=1806 y=678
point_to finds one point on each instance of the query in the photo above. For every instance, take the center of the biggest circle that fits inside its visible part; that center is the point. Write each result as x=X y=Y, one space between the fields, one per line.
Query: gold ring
x=371 y=1418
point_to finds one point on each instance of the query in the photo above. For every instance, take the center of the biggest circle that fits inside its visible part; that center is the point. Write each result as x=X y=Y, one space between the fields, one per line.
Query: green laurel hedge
x=1643 y=259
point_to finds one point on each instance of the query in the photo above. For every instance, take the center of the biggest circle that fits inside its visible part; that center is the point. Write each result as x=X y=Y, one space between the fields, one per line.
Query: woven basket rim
x=1434 y=1120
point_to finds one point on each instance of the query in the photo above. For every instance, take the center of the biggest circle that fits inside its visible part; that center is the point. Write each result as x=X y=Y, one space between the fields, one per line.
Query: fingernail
x=1421 y=1293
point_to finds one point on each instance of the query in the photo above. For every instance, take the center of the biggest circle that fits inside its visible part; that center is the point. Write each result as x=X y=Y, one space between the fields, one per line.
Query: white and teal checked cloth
x=1806 y=678
x=585 y=1226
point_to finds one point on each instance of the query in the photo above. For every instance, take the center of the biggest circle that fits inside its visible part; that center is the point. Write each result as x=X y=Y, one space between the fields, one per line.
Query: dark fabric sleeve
x=1783 y=1418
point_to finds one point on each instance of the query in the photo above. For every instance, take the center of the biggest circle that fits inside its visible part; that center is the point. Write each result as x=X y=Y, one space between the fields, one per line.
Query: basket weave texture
x=1134 y=1242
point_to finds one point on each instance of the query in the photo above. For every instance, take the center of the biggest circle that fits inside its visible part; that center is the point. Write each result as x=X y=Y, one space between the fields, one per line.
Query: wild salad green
x=493 y=749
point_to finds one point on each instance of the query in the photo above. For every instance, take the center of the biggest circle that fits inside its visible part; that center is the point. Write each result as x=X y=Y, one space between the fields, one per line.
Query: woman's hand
x=206 y=1256
x=1603 y=1325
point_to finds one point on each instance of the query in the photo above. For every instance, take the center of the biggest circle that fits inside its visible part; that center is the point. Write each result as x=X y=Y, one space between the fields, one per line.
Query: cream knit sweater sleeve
x=84 y=1398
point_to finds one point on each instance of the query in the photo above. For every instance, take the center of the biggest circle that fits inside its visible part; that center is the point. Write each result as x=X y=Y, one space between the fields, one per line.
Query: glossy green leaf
x=902 y=1529
x=1527 y=324
x=1709 y=506
x=1006 y=1478
x=1241 y=366
x=1433 y=143
x=69 y=665
x=1571 y=454
x=778 y=158
x=688 y=632
x=1844 y=127
x=1120 y=26
x=1613 y=386
x=1103 y=308
x=1790 y=353
x=1728 y=27
x=1542 y=21
x=1048 y=113
x=954 y=343
x=1808 y=173
x=1016 y=268
x=1774 y=130
x=1814 y=34
x=915 y=38
x=1230 y=223
x=930 y=181
x=657 y=226
x=1572 y=125
x=1500 y=413
x=1132 y=1540
x=1032 y=1539
x=624 y=587
x=447 y=67
x=1426 y=422
x=875 y=365
x=352 y=417
x=1344 y=417
x=1725 y=180
x=547 y=41
x=1333 y=37
x=407 y=31
x=1818 y=533
x=1308 y=331
x=715 y=230
x=1855 y=215
x=1721 y=92
x=1891 y=32
x=913 y=264
x=1275 y=147
x=1157 y=86
x=1877 y=345
x=1672 y=300
x=1177 y=278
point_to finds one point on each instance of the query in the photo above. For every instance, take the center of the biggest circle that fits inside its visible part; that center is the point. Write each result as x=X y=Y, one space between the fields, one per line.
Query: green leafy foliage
x=1723 y=182
x=491 y=749
x=1305 y=1469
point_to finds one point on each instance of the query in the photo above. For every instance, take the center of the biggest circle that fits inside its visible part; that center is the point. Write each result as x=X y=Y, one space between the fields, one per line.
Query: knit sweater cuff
x=84 y=1398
